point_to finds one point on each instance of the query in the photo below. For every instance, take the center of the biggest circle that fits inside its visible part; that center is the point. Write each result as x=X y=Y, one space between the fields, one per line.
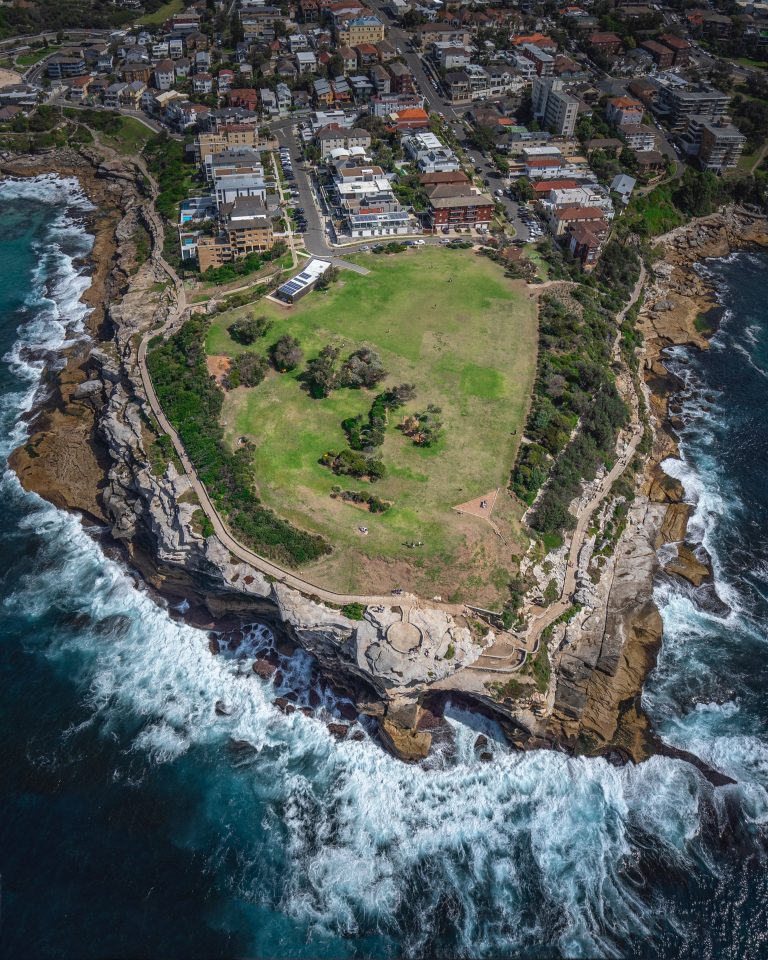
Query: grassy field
x=161 y=15
x=449 y=322
x=131 y=139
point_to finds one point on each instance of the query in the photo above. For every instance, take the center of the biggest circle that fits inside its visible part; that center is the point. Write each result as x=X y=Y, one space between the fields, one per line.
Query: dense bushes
x=350 y=463
x=371 y=501
x=192 y=401
x=165 y=159
x=426 y=428
x=576 y=411
x=364 y=435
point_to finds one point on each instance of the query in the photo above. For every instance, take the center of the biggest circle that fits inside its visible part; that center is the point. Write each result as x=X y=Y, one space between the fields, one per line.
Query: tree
x=362 y=369
x=326 y=279
x=248 y=330
x=286 y=354
x=321 y=374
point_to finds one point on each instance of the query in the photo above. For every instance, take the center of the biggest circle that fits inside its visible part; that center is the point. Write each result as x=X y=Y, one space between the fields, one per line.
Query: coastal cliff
x=95 y=447
x=605 y=655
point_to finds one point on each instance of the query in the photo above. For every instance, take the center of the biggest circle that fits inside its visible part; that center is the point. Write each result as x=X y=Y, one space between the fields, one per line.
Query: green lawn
x=132 y=137
x=449 y=322
x=30 y=59
x=161 y=15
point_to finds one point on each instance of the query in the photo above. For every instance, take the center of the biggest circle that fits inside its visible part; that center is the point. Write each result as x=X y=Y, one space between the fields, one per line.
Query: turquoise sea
x=137 y=822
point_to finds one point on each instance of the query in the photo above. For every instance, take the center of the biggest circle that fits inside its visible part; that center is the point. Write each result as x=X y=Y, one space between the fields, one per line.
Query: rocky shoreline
x=601 y=681
x=95 y=448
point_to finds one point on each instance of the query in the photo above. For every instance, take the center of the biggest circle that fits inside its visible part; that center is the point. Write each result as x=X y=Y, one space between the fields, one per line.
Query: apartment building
x=233 y=186
x=555 y=109
x=678 y=104
x=357 y=30
x=720 y=146
x=429 y=154
x=245 y=228
x=334 y=137
x=457 y=205
x=543 y=62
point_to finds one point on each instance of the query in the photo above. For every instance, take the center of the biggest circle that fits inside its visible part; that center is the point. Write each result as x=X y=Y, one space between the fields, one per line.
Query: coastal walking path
x=498 y=658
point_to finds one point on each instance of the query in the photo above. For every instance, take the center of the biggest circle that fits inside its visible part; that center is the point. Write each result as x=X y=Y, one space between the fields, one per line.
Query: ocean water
x=136 y=821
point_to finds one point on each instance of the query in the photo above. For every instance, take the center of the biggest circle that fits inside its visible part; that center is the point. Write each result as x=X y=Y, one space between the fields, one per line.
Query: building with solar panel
x=300 y=285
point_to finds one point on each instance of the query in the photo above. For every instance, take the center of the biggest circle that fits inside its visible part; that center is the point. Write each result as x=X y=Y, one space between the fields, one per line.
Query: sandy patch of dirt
x=9 y=76
x=218 y=366
x=479 y=507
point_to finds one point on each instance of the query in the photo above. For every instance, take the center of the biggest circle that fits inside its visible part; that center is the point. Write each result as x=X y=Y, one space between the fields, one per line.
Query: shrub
x=355 y=611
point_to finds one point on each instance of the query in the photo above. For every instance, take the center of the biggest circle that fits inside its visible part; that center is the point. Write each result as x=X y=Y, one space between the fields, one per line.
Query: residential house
x=639 y=136
x=623 y=110
x=164 y=74
x=429 y=154
x=130 y=95
x=245 y=97
x=202 y=83
x=78 y=89
x=382 y=82
x=401 y=77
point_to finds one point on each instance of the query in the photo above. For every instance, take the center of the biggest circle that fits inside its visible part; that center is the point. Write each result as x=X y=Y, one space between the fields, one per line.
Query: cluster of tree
x=351 y=463
x=366 y=435
x=247 y=369
x=426 y=428
x=192 y=402
x=247 y=330
x=751 y=117
x=363 y=368
x=34 y=16
x=371 y=501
